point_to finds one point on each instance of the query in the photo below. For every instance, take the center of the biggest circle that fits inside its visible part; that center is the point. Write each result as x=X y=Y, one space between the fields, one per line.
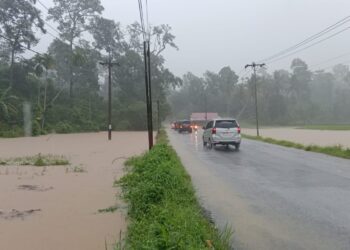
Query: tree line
x=285 y=97
x=65 y=86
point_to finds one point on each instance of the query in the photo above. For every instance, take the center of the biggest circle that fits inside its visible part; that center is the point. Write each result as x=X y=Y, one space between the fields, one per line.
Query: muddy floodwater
x=305 y=136
x=56 y=207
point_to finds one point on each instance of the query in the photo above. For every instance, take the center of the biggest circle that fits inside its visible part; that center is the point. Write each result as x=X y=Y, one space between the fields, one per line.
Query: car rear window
x=186 y=122
x=226 y=124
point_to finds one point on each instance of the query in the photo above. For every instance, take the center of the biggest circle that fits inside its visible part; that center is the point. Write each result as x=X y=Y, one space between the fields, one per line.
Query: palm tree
x=6 y=106
x=44 y=64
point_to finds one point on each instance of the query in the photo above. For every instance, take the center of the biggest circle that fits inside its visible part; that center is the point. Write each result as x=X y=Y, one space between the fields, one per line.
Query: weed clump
x=39 y=161
x=36 y=160
x=110 y=209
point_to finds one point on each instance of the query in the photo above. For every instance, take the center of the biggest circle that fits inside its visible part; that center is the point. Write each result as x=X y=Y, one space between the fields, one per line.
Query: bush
x=63 y=127
x=11 y=132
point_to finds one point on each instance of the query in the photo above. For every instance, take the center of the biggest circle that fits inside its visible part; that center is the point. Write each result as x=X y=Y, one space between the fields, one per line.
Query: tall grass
x=163 y=210
x=36 y=160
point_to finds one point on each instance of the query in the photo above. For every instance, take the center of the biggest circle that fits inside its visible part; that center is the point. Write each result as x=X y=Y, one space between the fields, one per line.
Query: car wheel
x=237 y=146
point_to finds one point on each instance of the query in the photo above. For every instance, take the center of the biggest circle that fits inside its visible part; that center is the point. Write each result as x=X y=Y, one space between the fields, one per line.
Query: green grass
x=337 y=150
x=36 y=160
x=326 y=127
x=163 y=210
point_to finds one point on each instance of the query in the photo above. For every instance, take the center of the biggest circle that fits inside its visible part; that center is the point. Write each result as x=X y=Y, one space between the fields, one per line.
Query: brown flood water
x=55 y=208
x=305 y=136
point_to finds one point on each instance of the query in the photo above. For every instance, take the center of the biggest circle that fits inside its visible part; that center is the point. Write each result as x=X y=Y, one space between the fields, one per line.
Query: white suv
x=222 y=131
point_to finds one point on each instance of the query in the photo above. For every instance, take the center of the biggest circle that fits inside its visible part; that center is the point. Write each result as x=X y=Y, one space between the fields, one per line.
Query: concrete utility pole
x=254 y=66
x=158 y=116
x=110 y=64
x=147 y=59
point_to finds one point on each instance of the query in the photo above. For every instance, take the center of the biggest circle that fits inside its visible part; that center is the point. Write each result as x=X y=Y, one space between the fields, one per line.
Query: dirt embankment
x=54 y=208
x=305 y=136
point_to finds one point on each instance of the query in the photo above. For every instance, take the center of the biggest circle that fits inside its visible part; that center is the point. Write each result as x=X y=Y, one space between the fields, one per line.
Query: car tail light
x=238 y=130
x=213 y=131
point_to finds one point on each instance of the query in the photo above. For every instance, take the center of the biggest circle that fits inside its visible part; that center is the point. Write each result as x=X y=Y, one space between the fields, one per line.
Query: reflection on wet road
x=273 y=197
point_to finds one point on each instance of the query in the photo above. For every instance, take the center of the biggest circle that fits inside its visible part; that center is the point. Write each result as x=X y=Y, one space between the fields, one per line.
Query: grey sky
x=216 y=33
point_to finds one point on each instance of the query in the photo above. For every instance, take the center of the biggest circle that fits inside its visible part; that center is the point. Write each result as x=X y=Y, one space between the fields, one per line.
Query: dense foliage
x=65 y=89
x=299 y=96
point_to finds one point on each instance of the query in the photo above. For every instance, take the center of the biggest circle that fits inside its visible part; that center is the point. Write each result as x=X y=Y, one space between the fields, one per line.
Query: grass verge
x=163 y=210
x=337 y=150
x=36 y=160
x=326 y=127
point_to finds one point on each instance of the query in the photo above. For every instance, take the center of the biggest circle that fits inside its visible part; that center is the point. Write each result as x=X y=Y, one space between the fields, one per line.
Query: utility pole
x=205 y=105
x=147 y=60
x=158 y=116
x=254 y=66
x=110 y=64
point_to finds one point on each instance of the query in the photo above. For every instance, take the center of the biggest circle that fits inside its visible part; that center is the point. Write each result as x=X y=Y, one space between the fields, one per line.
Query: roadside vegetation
x=337 y=150
x=326 y=127
x=36 y=160
x=163 y=210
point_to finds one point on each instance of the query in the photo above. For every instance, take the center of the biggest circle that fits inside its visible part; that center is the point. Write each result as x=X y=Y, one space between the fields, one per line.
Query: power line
x=345 y=62
x=330 y=59
x=246 y=73
x=8 y=39
x=43 y=5
x=311 y=45
x=310 y=39
x=53 y=28
x=240 y=72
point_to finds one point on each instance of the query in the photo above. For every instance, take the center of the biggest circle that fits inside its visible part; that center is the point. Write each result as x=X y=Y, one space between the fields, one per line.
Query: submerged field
x=326 y=127
x=305 y=136
x=71 y=205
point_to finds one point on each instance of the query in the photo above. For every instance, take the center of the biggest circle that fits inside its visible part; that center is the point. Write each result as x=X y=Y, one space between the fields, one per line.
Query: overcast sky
x=212 y=34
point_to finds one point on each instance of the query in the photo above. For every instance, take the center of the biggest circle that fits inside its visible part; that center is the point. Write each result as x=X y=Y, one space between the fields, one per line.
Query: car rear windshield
x=186 y=122
x=226 y=124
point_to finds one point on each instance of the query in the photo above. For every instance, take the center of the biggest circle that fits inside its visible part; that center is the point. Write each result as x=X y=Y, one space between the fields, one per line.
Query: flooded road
x=56 y=207
x=273 y=197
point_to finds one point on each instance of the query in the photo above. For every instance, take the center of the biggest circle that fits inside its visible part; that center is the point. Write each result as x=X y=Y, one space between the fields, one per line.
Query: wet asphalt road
x=273 y=197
